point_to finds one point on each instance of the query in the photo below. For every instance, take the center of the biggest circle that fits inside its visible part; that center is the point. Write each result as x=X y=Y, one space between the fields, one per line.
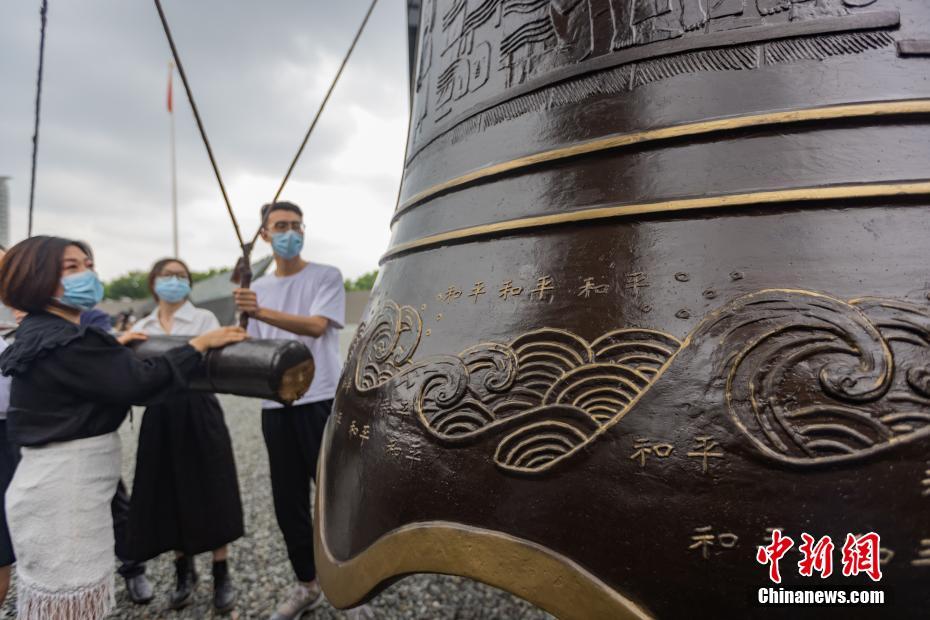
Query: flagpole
x=174 y=167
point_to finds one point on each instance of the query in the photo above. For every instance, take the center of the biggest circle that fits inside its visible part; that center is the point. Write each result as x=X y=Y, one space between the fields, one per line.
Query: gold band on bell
x=804 y=194
x=542 y=577
x=835 y=112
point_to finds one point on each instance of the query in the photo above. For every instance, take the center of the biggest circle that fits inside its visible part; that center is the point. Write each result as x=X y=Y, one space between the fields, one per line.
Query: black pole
x=203 y=132
x=43 y=13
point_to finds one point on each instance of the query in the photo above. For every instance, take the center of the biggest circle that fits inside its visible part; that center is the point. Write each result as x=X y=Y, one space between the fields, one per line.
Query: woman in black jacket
x=72 y=388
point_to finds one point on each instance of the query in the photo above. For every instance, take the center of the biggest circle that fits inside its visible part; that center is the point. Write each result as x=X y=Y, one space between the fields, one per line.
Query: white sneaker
x=362 y=612
x=299 y=600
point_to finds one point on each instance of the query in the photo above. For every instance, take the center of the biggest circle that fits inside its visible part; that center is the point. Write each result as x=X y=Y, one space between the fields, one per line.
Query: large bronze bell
x=657 y=288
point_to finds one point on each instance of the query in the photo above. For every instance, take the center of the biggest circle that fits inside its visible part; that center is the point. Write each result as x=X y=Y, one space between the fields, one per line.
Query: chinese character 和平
x=704 y=540
x=544 y=288
x=477 y=291
x=590 y=287
x=509 y=290
x=643 y=448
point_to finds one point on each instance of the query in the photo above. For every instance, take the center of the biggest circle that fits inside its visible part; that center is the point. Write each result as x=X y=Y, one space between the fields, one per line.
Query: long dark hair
x=30 y=273
x=156 y=270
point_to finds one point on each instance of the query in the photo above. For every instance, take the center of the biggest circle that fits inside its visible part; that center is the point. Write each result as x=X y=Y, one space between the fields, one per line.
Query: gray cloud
x=258 y=71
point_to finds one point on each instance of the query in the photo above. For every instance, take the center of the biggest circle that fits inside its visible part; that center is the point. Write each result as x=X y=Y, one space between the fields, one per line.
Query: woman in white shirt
x=185 y=495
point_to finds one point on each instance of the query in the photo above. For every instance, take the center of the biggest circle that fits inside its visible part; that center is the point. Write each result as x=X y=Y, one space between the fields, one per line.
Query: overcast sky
x=258 y=71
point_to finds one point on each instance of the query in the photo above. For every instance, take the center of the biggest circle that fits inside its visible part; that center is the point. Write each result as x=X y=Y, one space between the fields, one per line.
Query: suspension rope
x=319 y=112
x=242 y=273
x=43 y=14
x=203 y=133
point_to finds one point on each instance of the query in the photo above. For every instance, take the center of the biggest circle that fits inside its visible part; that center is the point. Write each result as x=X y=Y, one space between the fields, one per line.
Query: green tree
x=362 y=283
x=197 y=276
x=133 y=285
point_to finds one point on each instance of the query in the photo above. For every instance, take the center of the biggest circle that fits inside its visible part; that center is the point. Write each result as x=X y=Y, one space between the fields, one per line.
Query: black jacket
x=72 y=382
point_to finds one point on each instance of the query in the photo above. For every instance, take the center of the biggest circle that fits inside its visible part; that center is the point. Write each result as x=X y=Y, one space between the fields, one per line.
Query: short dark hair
x=158 y=266
x=85 y=247
x=30 y=273
x=271 y=207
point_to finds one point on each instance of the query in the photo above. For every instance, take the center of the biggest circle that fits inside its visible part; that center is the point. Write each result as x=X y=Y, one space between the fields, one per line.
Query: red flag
x=170 y=84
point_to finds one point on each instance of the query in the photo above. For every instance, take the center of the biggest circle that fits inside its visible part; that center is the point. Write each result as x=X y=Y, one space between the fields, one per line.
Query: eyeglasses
x=285 y=226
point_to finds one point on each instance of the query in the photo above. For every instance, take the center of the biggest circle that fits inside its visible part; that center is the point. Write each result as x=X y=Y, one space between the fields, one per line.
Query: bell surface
x=657 y=288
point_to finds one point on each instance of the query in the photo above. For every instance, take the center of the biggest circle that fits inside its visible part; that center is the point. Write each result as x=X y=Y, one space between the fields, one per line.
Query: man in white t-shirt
x=306 y=302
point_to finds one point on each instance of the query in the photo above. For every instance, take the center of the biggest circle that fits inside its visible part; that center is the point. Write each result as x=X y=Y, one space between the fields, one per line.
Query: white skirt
x=58 y=509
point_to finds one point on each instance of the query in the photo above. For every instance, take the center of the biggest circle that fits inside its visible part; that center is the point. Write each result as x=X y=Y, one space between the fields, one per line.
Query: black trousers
x=119 y=508
x=9 y=458
x=293 y=436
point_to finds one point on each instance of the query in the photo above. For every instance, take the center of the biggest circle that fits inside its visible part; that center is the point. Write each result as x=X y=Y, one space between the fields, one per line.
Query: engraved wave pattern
x=814 y=380
x=549 y=391
x=806 y=378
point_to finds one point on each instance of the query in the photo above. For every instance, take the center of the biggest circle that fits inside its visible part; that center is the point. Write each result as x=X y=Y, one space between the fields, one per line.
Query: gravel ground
x=259 y=561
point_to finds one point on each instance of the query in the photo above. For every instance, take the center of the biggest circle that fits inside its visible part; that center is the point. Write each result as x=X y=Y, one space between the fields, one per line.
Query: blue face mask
x=288 y=244
x=82 y=290
x=172 y=289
